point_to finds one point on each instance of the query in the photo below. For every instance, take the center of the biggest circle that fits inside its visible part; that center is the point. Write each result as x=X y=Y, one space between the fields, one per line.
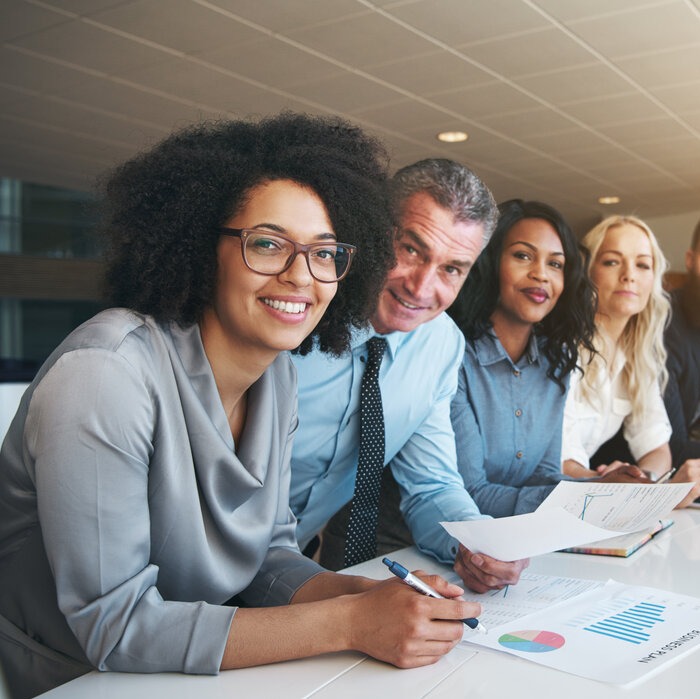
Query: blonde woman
x=622 y=383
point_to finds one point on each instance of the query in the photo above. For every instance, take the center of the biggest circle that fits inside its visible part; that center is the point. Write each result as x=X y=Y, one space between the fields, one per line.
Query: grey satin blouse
x=126 y=517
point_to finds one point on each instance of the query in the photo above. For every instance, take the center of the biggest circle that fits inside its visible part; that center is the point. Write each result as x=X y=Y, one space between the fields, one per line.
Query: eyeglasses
x=269 y=253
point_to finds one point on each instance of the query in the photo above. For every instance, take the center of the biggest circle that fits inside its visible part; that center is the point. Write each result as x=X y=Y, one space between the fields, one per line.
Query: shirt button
x=516 y=372
x=518 y=412
x=519 y=455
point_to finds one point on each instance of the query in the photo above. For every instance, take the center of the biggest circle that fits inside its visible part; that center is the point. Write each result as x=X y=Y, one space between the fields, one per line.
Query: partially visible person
x=144 y=482
x=622 y=382
x=682 y=339
x=525 y=311
x=444 y=215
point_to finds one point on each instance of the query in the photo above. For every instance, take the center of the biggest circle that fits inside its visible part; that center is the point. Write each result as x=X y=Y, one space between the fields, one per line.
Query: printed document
x=532 y=594
x=615 y=633
x=575 y=513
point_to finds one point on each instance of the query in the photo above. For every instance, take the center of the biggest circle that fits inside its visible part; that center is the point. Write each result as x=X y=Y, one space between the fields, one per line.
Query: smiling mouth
x=405 y=304
x=286 y=306
x=539 y=295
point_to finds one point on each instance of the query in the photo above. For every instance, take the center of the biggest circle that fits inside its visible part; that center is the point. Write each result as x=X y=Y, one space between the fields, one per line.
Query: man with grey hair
x=445 y=215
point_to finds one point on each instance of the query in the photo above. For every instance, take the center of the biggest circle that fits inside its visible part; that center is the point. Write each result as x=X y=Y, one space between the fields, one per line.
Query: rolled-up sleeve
x=425 y=469
x=574 y=426
x=651 y=429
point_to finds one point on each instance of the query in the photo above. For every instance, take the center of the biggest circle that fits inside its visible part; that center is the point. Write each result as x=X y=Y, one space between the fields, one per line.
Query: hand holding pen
x=417 y=584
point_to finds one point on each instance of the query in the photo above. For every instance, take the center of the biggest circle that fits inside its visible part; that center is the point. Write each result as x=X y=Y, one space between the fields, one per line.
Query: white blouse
x=587 y=426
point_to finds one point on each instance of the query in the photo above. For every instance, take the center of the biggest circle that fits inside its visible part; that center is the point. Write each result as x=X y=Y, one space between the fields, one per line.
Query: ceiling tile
x=692 y=119
x=534 y=121
x=670 y=151
x=19 y=19
x=492 y=150
x=131 y=102
x=528 y=53
x=646 y=30
x=592 y=81
x=362 y=41
x=76 y=147
x=535 y=166
x=86 y=7
x=456 y=22
x=290 y=15
x=431 y=72
x=584 y=153
x=401 y=116
x=484 y=100
x=34 y=73
x=9 y=94
x=271 y=61
x=185 y=26
x=92 y=48
x=570 y=143
x=75 y=119
x=612 y=169
x=210 y=88
x=427 y=133
x=674 y=67
x=679 y=98
x=654 y=129
x=347 y=92
x=614 y=109
x=572 y=10
x=35 y=145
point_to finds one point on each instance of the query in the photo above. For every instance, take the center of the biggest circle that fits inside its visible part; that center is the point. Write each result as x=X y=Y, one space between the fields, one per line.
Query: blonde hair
x=642 y=339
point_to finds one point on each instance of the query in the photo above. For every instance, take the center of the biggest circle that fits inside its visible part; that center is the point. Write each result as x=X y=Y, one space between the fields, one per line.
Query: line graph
x=589 y=498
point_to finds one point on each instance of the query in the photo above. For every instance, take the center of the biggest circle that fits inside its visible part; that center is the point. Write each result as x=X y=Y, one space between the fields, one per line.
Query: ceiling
x=563 y=100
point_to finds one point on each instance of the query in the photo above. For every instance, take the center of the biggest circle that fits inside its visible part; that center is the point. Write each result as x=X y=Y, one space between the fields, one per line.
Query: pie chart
x=532 y=641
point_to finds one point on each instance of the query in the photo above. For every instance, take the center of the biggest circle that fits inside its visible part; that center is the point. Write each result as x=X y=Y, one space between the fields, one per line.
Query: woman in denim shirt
x=525 y=310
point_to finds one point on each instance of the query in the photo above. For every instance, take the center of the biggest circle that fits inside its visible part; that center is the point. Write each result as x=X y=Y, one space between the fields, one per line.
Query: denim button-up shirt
x=507 y=419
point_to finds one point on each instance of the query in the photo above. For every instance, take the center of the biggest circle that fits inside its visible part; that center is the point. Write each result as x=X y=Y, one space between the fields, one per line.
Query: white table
x=671 y=561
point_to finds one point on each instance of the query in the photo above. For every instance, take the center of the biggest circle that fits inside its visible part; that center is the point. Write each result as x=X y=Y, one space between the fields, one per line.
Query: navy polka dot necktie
x=361 y=537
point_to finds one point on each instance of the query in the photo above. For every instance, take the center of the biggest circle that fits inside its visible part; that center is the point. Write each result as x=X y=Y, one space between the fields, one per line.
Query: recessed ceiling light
x=608 y=200
x=452 y=136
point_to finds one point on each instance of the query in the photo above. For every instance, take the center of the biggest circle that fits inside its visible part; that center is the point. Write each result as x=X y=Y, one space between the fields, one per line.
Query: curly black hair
x=571 y=323
x=164 y=207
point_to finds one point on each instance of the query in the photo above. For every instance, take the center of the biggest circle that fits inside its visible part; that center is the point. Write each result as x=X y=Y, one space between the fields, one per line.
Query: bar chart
x=631 y=625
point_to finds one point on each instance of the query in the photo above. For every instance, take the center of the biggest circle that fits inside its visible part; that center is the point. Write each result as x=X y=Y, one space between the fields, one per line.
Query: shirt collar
x=394 y=340
x=489 y=350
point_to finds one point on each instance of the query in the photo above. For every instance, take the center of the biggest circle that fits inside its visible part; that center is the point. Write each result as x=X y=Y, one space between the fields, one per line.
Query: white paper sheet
x=618 y=633
x=626 y=507
x=533 y=593
x=575 y=513
x=524 y=536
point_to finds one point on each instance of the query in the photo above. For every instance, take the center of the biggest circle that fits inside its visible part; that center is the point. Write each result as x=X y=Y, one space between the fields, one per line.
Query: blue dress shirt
x=418 y=379
x=508 y=423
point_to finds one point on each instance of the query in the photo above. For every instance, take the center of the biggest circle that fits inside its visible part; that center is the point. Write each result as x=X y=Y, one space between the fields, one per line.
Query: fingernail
x=477 y=560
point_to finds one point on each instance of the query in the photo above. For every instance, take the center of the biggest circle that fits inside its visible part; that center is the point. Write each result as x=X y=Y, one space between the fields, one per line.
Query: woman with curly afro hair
x=144 y=482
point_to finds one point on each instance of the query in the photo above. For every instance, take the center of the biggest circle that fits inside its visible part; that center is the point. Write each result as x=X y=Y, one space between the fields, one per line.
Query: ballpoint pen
x=666 y=476
x=417 y=584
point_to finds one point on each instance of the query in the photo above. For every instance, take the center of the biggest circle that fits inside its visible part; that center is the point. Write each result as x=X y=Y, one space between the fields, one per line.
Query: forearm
x=329 y=585
x=573 y=469
x=657 y=461
x=389 y=621
x=271 y=634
